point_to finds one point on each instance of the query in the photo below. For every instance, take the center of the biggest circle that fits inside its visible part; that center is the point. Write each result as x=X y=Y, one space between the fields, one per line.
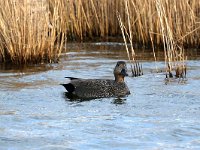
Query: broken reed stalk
x=174 y=54
x=30 y=32
x=136 y=68
x=154 y=54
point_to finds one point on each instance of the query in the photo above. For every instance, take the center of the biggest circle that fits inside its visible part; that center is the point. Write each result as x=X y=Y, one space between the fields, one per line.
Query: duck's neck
x=119 y=78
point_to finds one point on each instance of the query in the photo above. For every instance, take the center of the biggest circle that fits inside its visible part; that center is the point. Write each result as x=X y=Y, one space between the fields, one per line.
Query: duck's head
x=120 y=71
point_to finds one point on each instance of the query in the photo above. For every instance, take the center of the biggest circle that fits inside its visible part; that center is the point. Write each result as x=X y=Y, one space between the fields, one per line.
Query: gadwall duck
x=99 y=88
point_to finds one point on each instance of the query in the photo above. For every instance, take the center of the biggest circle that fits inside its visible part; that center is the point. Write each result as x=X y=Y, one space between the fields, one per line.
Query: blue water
x=35 y=114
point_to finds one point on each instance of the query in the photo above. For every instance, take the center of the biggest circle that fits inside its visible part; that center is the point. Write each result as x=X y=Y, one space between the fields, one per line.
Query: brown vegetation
x=34 y=30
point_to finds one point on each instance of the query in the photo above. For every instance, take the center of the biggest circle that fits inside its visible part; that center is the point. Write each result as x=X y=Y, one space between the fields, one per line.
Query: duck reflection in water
x=74 y=98
x=86 y=89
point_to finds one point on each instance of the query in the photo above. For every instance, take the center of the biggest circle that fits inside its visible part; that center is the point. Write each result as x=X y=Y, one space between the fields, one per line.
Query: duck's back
x=96 y=88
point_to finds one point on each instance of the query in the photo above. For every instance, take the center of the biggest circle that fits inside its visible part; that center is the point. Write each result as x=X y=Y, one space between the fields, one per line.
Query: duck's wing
x=92 y=88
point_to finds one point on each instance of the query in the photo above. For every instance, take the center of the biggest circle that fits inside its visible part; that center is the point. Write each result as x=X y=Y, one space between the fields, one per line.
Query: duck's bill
x=124 y=73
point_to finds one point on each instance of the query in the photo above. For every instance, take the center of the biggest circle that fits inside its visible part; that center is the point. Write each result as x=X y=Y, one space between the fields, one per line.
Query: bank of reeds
x=33 y=30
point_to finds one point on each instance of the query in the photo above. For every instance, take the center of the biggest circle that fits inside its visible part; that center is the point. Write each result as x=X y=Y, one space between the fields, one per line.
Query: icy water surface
x=35 y=114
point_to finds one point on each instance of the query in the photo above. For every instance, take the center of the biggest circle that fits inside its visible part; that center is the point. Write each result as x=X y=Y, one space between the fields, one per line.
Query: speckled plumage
x=98 y=88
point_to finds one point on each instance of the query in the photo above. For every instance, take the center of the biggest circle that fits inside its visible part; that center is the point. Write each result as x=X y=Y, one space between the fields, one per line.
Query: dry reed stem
x=154 y=54
x=136 y=68
x=174 y=54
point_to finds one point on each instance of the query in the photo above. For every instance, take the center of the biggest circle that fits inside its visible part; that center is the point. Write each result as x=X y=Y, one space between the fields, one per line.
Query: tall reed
x=127 y=35
x=29 y=31
x=174 y=52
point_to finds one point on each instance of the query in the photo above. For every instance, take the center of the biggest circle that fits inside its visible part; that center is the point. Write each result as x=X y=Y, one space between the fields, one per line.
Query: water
x=35 y=114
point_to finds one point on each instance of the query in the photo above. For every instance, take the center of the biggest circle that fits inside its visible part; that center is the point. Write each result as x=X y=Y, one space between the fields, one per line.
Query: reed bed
x=35 y=30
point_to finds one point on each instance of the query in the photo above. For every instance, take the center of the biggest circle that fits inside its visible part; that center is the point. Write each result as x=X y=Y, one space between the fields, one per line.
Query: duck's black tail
x=72 y=78
x=69 y=87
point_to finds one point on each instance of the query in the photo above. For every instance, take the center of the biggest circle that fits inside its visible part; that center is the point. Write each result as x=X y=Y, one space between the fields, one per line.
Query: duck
x=100 y=88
